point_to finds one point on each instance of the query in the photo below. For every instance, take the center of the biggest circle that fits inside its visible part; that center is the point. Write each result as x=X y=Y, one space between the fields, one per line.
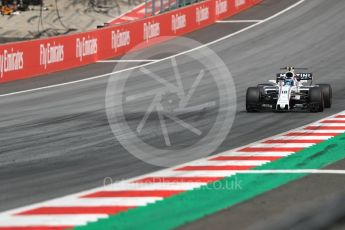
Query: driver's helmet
x=288 y=82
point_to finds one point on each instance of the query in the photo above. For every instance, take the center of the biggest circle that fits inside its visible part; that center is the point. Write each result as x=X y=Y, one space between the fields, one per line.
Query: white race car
x=289 y=91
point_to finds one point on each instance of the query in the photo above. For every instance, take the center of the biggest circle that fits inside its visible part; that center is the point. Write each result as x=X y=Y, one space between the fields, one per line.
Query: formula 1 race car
x=290 y=91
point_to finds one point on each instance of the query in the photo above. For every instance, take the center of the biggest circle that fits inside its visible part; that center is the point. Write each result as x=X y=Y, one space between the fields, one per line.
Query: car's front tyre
x=253 y=103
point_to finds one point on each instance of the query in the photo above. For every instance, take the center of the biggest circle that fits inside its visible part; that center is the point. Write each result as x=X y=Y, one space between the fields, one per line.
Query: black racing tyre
x=316 y=101
x=253 y=99
x=327 y=94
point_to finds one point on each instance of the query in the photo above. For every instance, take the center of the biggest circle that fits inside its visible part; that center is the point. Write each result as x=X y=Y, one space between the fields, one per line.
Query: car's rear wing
x=299 y=76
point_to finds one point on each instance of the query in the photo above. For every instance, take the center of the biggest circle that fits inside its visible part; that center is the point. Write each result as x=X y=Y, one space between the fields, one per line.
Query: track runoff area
x=196 y=188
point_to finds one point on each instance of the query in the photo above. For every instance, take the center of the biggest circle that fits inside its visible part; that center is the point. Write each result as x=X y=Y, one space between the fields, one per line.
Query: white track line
x=147 y=186
x=256 y=154
x=198 y=173
x=337 y=118
x=103 y=201
x=50 y=220
x=292 y=171
x=302 y=138
x=238 y=21
x=124 y=61
x=229 y=162
x=283 y=145
x=167 y=58
x=317 y=131
x=330 y=124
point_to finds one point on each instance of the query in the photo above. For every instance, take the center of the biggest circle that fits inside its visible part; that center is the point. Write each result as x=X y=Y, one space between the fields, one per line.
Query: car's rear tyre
x=253 y=99
x=327 y=94
x=316 y=101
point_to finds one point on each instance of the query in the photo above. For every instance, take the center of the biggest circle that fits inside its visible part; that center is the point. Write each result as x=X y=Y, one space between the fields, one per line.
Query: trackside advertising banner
x=33 y=58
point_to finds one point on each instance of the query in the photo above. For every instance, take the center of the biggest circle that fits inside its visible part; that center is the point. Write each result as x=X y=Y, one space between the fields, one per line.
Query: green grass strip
x=192 y=205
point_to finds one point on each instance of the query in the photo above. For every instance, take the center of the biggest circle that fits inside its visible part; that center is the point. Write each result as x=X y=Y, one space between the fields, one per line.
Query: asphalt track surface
x=57 y=141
